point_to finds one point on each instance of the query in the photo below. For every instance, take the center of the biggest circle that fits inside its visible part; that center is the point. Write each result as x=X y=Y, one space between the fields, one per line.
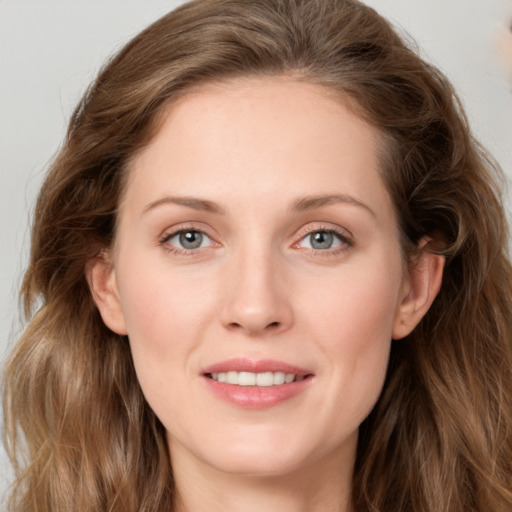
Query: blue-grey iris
x=191 y=239
x=321 y=240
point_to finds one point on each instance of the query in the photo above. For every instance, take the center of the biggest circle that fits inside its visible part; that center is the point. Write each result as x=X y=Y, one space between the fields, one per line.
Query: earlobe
x=102 y=283
x=423 y=285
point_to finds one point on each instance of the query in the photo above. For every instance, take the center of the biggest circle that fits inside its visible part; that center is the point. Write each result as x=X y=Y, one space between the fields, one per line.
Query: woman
x=253 y=200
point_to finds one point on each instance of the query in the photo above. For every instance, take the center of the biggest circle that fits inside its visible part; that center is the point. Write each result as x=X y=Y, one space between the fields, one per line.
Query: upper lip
x=259 y=366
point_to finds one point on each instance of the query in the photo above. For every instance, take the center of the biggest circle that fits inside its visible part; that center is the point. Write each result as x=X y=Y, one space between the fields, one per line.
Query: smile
x=258 y=384
x=264 y=379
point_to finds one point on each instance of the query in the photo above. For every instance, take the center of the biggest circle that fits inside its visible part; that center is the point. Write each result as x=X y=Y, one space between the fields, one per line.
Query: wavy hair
x=77 y=428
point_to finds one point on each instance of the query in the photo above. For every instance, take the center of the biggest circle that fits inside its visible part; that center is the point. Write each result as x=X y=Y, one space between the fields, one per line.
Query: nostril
x=270 y=327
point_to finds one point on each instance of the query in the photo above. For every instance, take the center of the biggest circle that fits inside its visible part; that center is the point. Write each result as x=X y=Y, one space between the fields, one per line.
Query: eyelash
x=164 y=241
x=345 y=242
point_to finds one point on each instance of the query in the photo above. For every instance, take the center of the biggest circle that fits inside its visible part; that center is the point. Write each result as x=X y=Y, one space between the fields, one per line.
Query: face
x=258 y=275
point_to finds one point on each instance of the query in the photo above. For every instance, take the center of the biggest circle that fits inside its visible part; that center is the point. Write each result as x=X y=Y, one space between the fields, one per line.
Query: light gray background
x=51 y=49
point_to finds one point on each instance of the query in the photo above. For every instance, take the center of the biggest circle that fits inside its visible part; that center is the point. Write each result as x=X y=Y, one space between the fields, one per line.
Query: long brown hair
x=78 y=429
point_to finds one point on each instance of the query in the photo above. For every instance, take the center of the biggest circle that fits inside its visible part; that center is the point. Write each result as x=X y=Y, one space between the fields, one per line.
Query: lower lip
x=257 y=397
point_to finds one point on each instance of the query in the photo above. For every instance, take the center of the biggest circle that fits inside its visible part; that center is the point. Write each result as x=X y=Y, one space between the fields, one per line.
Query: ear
x=420 y=290
x=103 y=285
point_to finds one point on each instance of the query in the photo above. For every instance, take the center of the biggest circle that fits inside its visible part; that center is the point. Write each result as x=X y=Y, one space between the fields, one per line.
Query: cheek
x=163 y=317
x=352 y=324
x=358 y=336
x=355 y=309
x=163 y=313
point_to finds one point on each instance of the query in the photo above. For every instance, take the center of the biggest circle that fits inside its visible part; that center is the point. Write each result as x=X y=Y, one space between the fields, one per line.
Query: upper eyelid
x=343 y=238
x=171 y=234
x=164 y=241
x=179 y=228
x=344 y=233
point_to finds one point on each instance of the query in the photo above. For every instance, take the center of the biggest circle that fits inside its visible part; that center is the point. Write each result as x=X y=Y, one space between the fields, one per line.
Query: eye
x=323 y=240
x=187 y=239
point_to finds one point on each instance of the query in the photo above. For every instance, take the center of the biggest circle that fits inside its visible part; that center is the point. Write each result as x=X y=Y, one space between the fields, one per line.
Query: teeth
x=279 y=378
x=242 y=378
x=289 y=378
x=265 y=379
x=255 y=379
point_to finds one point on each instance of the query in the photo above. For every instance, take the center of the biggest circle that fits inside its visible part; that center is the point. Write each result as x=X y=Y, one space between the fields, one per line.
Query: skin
x=257 y=288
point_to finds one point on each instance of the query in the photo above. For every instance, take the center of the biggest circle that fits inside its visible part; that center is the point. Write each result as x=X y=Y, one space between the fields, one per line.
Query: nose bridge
x=257 y=301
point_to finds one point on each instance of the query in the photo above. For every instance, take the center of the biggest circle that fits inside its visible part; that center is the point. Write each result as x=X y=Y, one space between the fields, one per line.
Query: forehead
x=258 y=135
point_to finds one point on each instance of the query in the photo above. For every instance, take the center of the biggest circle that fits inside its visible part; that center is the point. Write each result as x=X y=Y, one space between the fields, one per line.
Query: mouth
x=262 y=379
x=260 y=384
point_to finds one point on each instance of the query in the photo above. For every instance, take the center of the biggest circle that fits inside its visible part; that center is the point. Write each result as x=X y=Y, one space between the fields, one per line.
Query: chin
x=276 y=455
x=259 y=465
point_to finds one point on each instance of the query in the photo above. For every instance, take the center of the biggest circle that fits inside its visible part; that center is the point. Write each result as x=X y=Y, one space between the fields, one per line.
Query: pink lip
x=263 y=365
x=256 y=397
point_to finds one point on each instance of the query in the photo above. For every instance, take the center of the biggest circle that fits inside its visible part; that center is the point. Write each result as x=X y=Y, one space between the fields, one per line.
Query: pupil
x=191 y=239
x=321 y=240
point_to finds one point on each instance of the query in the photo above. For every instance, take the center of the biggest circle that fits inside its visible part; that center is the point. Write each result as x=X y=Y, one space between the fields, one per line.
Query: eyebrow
x=189 y=202
x=313 y=202
x=299 y=205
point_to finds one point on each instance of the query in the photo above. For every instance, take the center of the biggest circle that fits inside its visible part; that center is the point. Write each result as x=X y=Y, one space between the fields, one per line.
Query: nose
x=257 y=301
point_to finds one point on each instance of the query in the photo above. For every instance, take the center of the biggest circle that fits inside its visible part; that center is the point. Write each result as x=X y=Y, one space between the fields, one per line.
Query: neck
x=322 y=486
